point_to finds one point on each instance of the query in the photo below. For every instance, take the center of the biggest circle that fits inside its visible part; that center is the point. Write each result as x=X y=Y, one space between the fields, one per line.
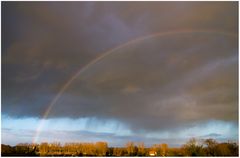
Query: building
x=152 y=153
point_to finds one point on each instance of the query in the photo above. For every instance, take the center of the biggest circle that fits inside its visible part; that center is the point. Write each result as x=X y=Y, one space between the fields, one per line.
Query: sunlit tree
x=164 y=149
x=211 y=147
x=130 y=148
x=43 y=149
x=101 y=148
x=141 y=149
x=156 y=148
x=223 y=149
x=119 y=152
x=193 y=148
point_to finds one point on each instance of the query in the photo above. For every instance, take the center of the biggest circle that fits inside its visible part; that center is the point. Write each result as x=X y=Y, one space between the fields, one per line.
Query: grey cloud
x=146 y=92
x=156 y=84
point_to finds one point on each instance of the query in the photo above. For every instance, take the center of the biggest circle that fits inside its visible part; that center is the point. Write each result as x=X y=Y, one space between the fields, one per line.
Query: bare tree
x=193 y=148
x=43 y=149
x=141 y=149
x=164 y=149
x=101 y=148
x=130 y=148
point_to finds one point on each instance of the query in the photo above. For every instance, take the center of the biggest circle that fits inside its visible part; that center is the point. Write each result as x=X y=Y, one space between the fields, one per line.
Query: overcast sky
x=177 y=78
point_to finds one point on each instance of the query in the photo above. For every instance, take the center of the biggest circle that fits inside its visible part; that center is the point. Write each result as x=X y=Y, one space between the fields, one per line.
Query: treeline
x=193 y=147
x=19 y=150
x=209 y=147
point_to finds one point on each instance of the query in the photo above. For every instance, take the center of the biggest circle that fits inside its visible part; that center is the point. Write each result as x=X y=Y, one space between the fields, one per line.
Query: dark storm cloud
x=158 y=83
x=167 y=87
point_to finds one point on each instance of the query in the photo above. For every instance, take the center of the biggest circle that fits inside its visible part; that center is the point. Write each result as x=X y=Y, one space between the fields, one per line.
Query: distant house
x=152 y=153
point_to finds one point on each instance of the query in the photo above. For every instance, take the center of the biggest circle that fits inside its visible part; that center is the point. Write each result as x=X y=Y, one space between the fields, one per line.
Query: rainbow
x=103 y=55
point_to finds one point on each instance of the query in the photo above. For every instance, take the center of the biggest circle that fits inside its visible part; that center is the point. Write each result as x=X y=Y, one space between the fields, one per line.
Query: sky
x=152 y=72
